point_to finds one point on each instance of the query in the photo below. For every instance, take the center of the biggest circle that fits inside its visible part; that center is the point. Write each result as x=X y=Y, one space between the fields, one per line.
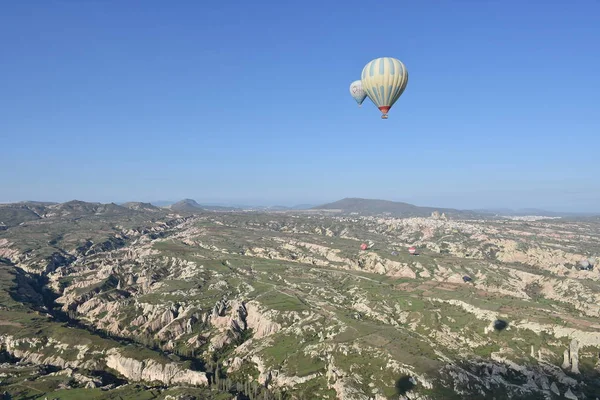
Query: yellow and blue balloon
x=383 y=80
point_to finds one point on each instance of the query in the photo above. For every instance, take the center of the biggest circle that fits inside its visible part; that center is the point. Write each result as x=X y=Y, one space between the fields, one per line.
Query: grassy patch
x=314 y=389
x=486 y=350
x=299 y=364
x=277 y=300
x=127 y=392
x=282 y=347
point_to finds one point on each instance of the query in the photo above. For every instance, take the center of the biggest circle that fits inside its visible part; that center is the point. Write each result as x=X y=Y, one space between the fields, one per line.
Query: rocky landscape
x=134 y=301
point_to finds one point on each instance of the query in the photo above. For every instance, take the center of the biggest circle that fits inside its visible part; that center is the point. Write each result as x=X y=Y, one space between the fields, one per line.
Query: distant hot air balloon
x=500 y=324
x=384 y=80
x=412 y=250
x=357 y=92
x=467 y=278
x=363 y=246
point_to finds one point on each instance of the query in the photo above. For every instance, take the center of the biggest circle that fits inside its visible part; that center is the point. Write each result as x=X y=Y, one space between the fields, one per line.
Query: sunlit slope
x=289 y=302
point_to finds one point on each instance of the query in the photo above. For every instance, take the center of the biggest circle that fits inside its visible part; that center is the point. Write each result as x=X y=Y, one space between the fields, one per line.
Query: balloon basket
x=384 y=116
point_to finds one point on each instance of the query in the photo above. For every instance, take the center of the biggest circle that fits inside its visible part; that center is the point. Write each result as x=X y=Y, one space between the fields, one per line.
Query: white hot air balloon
x=384 y=80
x=357 y=92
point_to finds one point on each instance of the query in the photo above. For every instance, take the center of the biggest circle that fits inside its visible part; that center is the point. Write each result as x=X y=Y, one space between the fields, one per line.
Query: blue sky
x=248 y=102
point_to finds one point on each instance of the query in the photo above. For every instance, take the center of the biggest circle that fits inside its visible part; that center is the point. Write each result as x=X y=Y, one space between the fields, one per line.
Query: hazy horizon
x=267 y=203
x=108 y=102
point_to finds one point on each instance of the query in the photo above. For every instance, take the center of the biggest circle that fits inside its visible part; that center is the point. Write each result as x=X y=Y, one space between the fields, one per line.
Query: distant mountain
x=192 y=206
x=162 y=203
x=394 y=208
x=37 y=203
x=77 y=208
x=14 y=214
x=139 y=206
x=232 y=207
x=186 y=205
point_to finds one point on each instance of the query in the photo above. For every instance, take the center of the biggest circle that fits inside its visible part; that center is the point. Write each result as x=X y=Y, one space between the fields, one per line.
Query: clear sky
x=248 y=102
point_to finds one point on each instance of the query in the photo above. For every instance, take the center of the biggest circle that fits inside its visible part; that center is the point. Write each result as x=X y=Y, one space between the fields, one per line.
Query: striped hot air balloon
x=357 y=92
x=384 y=80
x=412 y=250
x=363 y=246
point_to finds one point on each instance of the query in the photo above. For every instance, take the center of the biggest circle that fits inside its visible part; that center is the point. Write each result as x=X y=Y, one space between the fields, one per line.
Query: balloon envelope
x=384 y=80
x=357 y=92
x=500 y=324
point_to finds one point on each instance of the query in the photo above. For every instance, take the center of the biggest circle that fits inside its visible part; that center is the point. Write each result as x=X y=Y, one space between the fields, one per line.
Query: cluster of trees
x=245 y=389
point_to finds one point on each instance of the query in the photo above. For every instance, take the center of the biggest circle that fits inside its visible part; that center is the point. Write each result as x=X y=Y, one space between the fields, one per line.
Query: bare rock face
x=574 y=352
x=196 y=341
x=532 y=352
x=415 y=396
x=219 y=308
x=38 y=351
x=566 y=363
x=152 y=371
x=543 y=382
x=167 y=317
x=173 y=330
x=190 y=323
x=235 y=364
x=570 y=395
x=571 y=357
x=35 y=351
x=261 y=322
x=88 y=383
